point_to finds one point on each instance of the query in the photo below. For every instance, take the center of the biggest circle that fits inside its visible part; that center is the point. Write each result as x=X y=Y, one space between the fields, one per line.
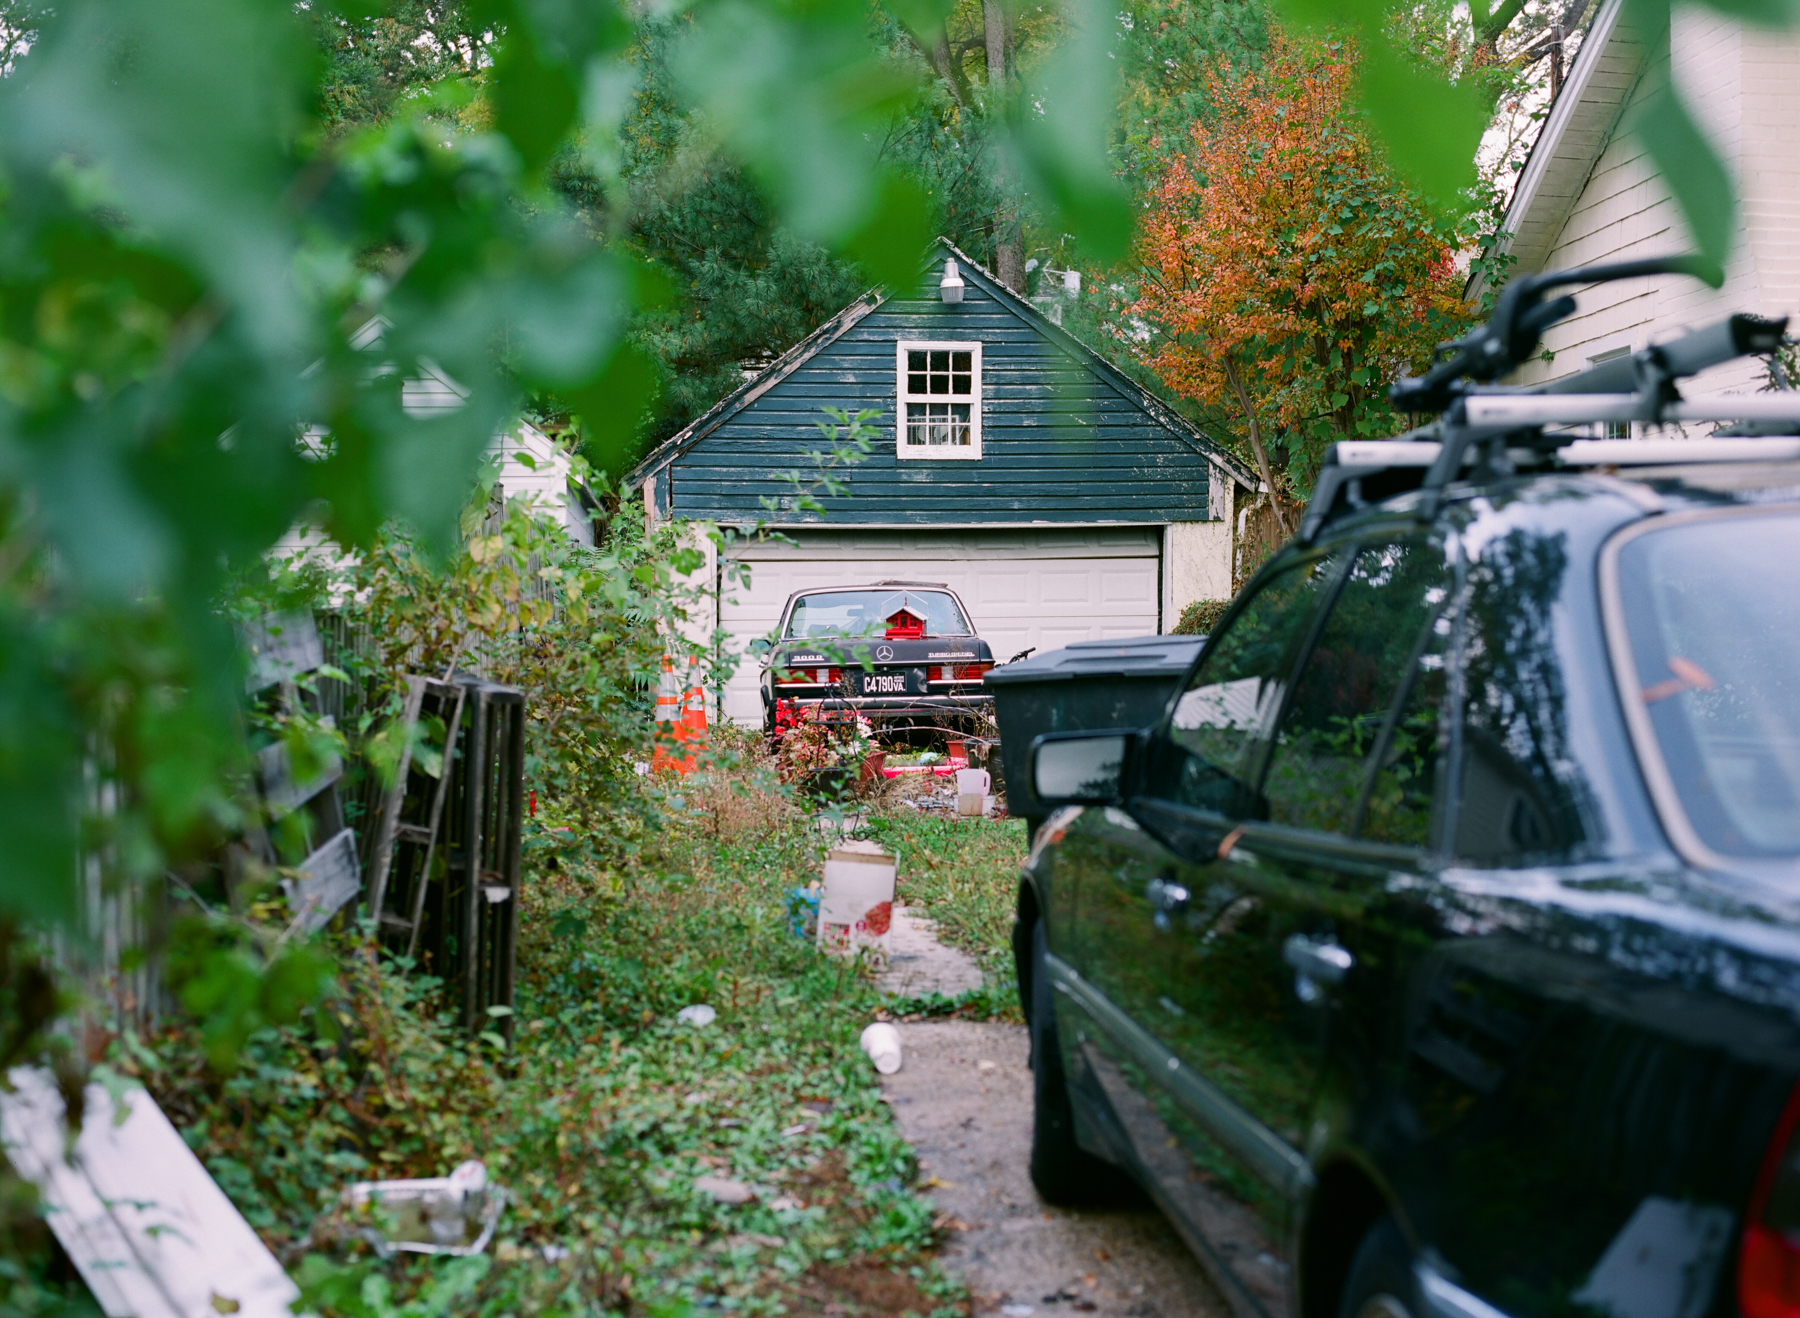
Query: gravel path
x=963 y=1100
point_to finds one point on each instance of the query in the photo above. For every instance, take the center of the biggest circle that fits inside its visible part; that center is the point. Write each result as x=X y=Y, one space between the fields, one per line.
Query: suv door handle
x=1315 y=962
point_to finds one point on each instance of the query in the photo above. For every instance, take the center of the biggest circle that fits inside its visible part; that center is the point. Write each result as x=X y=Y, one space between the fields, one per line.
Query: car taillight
x=935 y=673
x=969 y=672
x=833 y=675
x=1769 y=1256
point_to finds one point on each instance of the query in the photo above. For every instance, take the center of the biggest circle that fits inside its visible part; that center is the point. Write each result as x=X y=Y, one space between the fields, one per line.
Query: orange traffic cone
x=668 y=721
x=693 y=712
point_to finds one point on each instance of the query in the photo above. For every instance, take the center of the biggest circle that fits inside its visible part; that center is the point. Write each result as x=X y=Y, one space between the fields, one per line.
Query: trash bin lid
x=1134 y=656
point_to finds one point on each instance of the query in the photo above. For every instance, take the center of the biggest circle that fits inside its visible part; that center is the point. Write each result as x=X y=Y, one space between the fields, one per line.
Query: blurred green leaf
x=1430 y=128
x=1767 y=13
x=1693 y=172
x=891 y=242
x=613 y=406
x=923 y=18
x=1689 y=164
x=1063 y=120
x=534 y=100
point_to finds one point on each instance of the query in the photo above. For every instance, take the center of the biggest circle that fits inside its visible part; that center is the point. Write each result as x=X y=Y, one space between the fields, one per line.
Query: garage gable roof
x=824 y=336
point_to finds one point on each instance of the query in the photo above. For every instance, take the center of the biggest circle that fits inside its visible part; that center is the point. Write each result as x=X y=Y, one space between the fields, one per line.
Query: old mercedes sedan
x=1437 y=952
x=895 y=651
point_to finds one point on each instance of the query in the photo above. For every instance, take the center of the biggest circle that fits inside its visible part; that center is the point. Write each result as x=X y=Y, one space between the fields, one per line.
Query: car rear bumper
x=945 y=704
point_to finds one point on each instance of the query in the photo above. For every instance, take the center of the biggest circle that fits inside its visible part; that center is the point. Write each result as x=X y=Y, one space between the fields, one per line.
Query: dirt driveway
x=963 y=1100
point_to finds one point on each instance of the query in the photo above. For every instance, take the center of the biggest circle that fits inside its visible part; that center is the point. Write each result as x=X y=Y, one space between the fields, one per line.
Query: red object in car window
x=904 y=626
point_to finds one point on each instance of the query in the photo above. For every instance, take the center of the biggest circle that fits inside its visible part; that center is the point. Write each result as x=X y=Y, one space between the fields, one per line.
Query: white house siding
x=1744 y=86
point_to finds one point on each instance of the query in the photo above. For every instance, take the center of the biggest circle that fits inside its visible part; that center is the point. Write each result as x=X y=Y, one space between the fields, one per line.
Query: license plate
x=889 y=682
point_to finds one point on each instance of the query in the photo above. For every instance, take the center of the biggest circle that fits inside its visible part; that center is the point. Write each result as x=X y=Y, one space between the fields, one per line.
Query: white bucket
x=856 y=908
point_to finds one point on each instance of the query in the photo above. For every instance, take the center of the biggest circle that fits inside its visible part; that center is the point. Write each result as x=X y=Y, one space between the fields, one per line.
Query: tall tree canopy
x=1288 y=275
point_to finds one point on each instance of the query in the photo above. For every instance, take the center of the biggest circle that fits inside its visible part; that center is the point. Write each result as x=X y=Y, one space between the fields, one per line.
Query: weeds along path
x=605 y=1111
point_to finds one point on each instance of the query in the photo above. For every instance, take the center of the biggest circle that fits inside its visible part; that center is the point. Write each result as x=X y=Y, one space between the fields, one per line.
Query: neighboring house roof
x=821 y=338
x=1582 y=120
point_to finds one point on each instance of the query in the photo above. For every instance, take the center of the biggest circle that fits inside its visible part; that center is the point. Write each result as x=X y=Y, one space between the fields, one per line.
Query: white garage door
x=1024 y=589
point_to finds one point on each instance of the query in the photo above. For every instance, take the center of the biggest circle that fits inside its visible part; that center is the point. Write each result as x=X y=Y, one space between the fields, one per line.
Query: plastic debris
x=881 y=1042
x=454 y=1214
x=697 y=1015
x=1018 y=1310
x=723 y=1190
x=803 y=910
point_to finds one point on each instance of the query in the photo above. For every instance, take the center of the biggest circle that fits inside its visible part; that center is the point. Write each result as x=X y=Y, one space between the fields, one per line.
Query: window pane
x=1712 y=611
x=959 y=415
x=940 y=360
x=940 y=382
x=915 y=384
x=960 y=384
x=1206 y=757
x=915 y=359
x=1521 y=788
x=1342 y=698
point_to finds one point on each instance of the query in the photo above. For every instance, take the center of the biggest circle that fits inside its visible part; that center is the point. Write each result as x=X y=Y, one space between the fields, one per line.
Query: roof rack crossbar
x=1519 y=410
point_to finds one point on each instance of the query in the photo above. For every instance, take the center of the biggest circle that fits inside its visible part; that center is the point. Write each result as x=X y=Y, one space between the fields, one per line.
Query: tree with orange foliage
x=1288 y=276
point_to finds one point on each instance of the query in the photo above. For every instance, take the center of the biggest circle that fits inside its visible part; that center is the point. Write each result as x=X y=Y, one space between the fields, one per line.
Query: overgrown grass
x=605 y=1109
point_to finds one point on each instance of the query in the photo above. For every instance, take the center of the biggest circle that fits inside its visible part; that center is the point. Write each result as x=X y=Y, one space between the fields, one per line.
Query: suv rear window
x=1708 y=611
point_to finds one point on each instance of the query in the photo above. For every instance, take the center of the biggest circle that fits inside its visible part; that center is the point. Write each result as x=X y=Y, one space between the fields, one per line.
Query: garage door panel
x=1129 y=588
x=1026 y=590
x=1064 y=587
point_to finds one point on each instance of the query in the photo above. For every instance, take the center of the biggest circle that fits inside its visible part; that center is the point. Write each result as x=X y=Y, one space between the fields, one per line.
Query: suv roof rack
x=1500 y=430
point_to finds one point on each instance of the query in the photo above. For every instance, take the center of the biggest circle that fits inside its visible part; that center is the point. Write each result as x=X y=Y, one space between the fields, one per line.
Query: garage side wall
x=1061 y=443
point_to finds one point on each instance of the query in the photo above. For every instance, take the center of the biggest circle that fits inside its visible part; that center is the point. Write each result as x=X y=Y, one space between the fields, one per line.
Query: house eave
x=1581 y=122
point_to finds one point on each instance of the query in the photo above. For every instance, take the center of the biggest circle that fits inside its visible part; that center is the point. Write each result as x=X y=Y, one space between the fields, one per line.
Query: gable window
x=938 y=394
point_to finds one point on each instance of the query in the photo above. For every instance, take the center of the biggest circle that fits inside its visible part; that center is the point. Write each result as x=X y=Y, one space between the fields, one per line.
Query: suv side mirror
x=760 y=646
x=1079 y=768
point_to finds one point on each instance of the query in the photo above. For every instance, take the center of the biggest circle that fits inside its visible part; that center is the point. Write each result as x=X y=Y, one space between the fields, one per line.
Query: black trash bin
x=1089 y=685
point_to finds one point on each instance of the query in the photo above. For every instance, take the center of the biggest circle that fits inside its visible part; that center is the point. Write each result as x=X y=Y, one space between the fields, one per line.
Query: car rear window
x=1710 y=614
x=866 y=613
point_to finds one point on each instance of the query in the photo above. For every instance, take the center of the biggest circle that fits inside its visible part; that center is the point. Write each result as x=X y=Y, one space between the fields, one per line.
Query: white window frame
x=936 y=453
x=1611 y=429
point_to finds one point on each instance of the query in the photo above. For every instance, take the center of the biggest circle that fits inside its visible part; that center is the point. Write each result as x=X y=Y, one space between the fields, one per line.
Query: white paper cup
x=881 y=1042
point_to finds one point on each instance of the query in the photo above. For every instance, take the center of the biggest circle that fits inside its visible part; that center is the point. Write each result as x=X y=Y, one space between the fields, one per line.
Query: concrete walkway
x=918 y=964
x=962 y=1098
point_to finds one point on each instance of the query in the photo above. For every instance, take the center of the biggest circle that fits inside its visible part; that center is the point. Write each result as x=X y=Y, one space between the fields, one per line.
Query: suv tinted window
x=1339 y=708
x=1206 y=756
x=1520 y=792
x=1400 y=801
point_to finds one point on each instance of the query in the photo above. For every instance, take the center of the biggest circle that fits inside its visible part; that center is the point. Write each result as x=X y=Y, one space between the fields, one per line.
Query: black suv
x=1438 y=951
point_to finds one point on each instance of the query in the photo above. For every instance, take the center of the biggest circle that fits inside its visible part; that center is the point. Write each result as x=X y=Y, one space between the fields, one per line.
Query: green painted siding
x=1059 y=442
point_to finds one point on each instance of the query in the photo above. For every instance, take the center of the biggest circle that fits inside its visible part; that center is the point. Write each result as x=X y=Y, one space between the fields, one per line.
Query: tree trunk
x=1009 y=250
x=1256 y=444
x=993 y=22
x=1009 y=234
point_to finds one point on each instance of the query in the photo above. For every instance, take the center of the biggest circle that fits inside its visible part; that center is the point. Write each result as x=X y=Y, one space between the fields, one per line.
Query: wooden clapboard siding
x=1592 y=194
x=1064 y=439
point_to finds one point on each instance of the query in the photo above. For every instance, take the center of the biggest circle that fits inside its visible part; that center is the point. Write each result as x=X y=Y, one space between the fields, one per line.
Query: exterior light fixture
x=951 y=286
